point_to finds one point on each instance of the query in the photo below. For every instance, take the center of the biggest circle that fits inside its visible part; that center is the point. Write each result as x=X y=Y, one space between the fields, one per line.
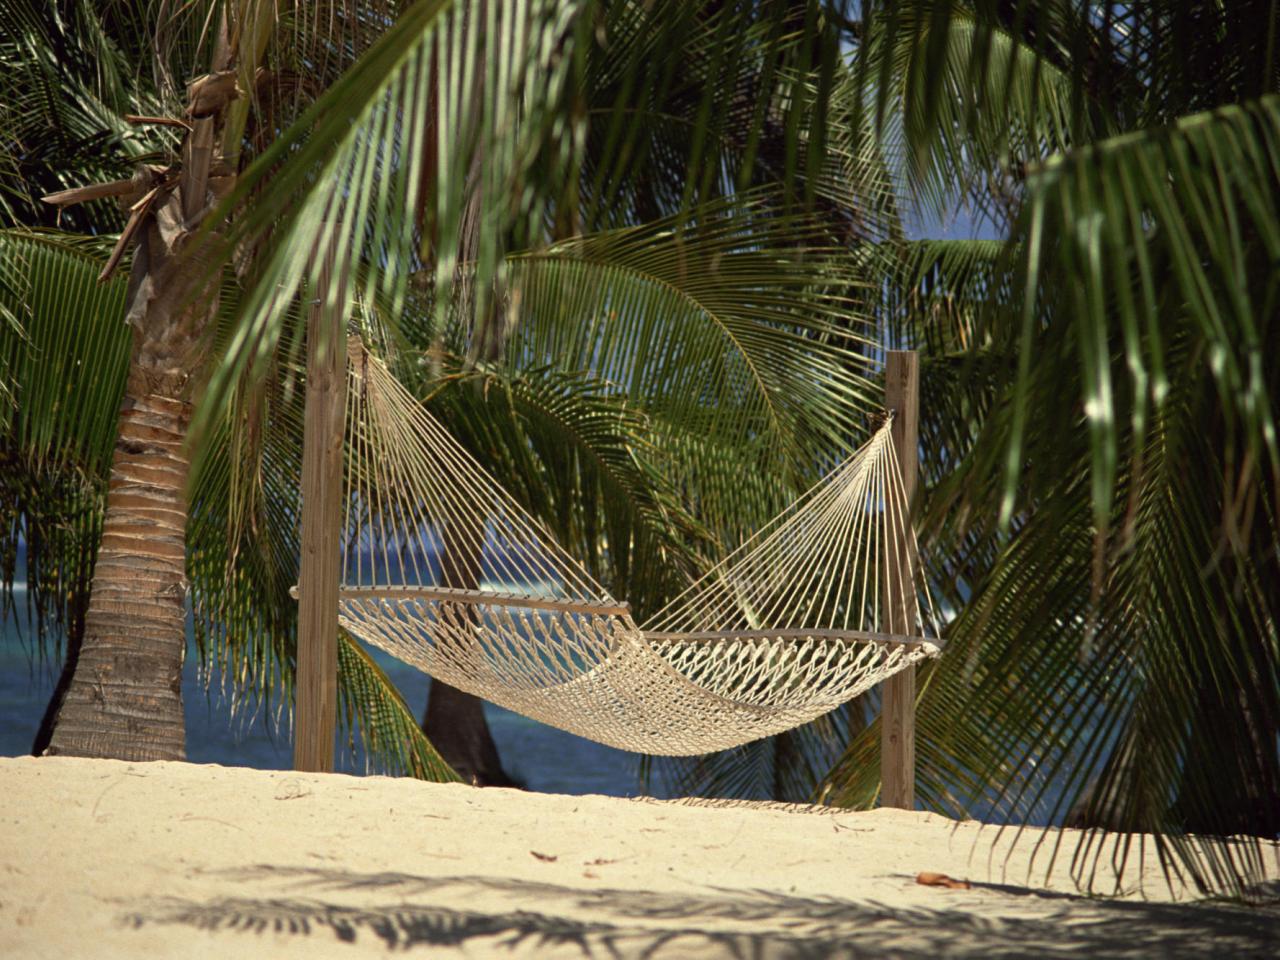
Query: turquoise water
x=540 y=757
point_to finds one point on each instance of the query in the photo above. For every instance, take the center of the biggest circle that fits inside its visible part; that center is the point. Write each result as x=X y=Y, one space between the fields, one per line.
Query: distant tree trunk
x=454 y=720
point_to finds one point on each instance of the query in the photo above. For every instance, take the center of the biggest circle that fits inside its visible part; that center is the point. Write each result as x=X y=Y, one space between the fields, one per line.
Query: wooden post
x=316 y=695
x=898 y=710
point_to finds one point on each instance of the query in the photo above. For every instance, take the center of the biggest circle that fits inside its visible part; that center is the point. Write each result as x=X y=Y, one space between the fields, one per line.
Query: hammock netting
x=444 y=570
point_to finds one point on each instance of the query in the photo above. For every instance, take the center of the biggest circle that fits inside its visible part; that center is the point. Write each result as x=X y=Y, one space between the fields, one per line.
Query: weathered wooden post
x=898 y=710
x=316 y=692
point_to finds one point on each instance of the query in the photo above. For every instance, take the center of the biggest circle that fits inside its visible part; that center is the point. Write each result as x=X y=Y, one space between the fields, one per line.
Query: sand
x=110 y=859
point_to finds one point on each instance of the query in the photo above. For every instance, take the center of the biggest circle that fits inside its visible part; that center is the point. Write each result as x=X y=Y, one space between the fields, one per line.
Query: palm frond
x=379 y=723
x=62 y=386
x=963 y=100
x=434 y=94
x=735 y=333
x=1169 y=226
x=571 y=450
x=1113 y=502
x=66 y=377
x=685 y=103
x=66 y=83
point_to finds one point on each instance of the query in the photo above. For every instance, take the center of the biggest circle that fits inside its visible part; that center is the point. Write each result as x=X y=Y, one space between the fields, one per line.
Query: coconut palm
x=1099 y=422
x=1110 y=560
x=77 y=76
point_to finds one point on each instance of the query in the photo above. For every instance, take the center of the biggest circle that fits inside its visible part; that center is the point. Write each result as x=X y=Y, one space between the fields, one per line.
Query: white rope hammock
x=444 y=570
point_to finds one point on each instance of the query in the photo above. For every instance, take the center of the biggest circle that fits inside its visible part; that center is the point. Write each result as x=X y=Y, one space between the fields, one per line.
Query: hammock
x=444 y=570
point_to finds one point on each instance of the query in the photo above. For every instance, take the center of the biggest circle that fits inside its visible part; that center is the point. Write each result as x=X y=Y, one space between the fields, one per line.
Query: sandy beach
x=112 y=859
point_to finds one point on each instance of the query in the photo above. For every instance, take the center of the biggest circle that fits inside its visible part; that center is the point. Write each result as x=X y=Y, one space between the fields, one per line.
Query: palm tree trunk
x=125 y=697
x=454 y=720
x=455 y=723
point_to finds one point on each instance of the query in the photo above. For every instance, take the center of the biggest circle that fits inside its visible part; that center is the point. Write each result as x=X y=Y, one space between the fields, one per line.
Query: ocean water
x=541 y=758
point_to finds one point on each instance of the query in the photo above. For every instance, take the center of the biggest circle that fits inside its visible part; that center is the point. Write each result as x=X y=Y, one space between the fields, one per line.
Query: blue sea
x=541 y=758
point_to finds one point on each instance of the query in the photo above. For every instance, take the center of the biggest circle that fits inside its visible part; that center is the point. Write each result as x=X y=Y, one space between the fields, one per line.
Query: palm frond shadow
x=398 y=926
x=657 y=924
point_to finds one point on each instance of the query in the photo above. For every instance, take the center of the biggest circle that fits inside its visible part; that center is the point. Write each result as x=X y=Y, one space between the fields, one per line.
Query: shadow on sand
x=402 y=910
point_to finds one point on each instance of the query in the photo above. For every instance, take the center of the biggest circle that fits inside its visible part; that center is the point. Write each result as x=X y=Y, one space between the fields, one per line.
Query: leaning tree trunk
x=456 y=725
x=124 y=699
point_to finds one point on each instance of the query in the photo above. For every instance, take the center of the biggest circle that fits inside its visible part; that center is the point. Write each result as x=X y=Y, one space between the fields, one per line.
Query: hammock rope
x=443 y=569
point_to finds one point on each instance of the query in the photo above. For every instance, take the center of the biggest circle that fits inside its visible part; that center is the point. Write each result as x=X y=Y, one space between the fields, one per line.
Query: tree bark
x=75 y=636
x=124 y=699
x=456 y=725
x=454 y=720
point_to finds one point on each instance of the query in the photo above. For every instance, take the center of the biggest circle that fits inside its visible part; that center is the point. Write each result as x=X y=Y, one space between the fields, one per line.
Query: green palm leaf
x=354 y=183
x=736 y=333
x=1104 y=499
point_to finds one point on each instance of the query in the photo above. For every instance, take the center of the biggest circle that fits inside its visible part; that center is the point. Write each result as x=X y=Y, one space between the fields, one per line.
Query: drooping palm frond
x=65 y=378
x=395 y=144
x=570 y=449
x=961 y=101
x=1141 y=236
x=1148 y=279
x=736 y=334
x=62 y=388
x=383 y=167
x=1115 y=664
x=380 y=727
x=684 y=103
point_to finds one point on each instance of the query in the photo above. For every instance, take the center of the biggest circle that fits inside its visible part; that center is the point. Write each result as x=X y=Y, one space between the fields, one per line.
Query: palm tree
x=124 y=698
x=612 y=189
x=1099 y=436
x=1101 y=399
x=1098 y=439
x=704 y=122
x=119 y=694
